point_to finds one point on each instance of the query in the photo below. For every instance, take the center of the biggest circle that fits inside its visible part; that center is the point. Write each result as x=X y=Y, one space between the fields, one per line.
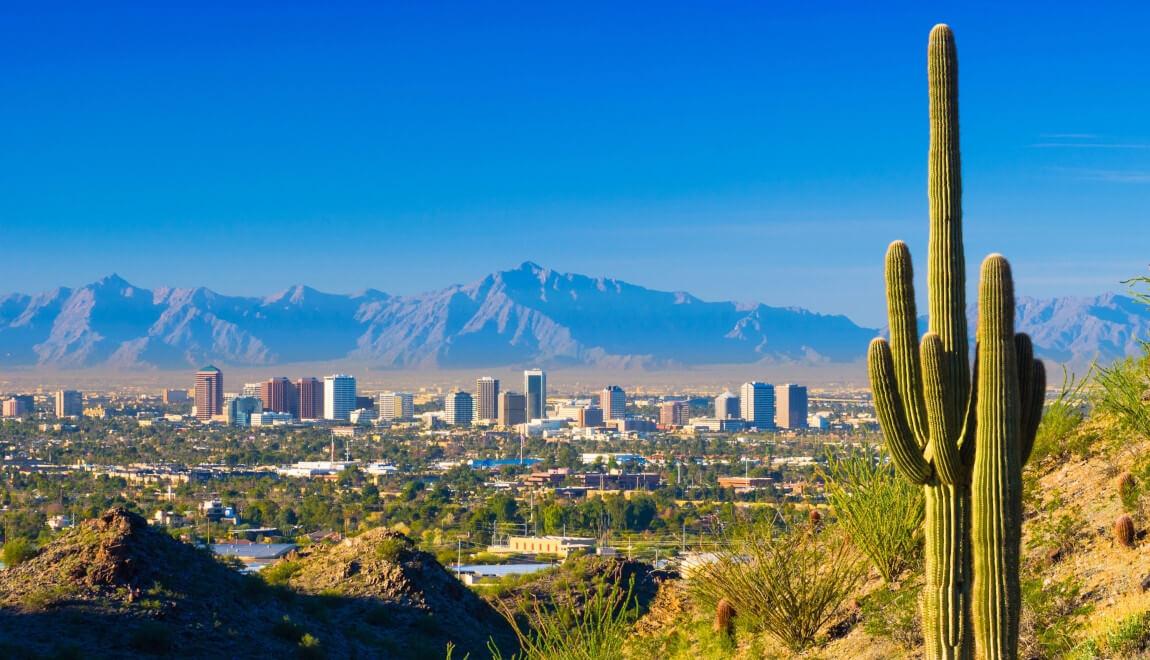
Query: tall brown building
x=309 y=397
x=209 y=393
x=278 y=395
x=674 y=413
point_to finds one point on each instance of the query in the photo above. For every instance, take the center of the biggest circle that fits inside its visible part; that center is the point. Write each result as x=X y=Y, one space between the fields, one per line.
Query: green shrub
x=392 y=548
x=1129 y=637
x=1122 y=391
x=880 y=511
x=309 y=648
x=788 y=584
x=566 y=631
x=281 y=572
x=893 y=614
x=1057 y=435
x=17 y=551
x=1051 y=619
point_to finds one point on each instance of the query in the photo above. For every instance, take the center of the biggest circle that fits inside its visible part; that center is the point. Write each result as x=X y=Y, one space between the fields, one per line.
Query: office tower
x=364 y=403
x=791 y=404
x=512 y=408
x=251 y=389
x=396 y=405
x=69 y=403
x=674 y=413
x=727 y=406
x=279 y=395
x=240 y=409
x=590 y=416
x=457 y=408
x=172 y=397
x=535 y=388
x=486 y=398
x=209 y=393
x=19 y=405
x=613 y=401
x=757 y=404
x=309 y=398
x=338 y=397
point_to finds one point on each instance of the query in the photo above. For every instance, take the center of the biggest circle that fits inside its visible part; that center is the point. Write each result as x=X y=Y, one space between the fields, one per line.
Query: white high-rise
x=535 y=389
x=338 y=397
x=758 y=405
x=396 y=405
x=613 y=401
x=458 y=408
x=727 y=406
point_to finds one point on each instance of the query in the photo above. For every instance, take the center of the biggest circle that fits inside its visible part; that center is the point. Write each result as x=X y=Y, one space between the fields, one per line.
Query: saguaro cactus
x=933 y=416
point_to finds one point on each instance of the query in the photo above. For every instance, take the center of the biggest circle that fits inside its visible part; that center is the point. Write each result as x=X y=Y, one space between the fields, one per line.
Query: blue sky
x=748 y=151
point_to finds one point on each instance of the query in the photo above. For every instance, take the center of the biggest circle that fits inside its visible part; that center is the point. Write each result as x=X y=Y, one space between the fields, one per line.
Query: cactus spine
x=934 y=411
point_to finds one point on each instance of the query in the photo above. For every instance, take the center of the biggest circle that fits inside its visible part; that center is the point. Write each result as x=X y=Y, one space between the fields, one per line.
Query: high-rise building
x=613 y=401
x=19 y=405
x=727 y=406
x=487 y=398
x=338 y=397
x=240 y=409
x=512 y=409
x=251 y=389
x=757 y=404
x=209 y=393
x=791 y=406
x=590 y=416
x=674 y=413
x=172 y=397
x=279 y=395
x=396 y=405
x=535 y=389
x=309 y=398
x=69 y=403
x=458 y=408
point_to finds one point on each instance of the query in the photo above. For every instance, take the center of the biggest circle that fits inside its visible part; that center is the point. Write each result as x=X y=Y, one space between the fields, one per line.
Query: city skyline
x=758 y=154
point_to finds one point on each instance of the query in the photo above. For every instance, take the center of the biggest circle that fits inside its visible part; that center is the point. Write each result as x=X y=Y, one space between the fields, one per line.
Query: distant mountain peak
x=529 y=315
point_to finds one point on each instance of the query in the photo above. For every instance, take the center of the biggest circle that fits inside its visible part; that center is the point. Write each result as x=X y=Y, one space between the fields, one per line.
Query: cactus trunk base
x=946 y=595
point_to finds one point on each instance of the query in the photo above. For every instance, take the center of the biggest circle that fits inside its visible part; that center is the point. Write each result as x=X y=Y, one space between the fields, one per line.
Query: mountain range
x=526 y=315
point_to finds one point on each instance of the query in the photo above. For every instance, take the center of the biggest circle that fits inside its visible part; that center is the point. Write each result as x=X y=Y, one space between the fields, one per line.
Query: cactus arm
x=903 y=321
x=904 y=449
x=1032 y=409
x=944 y=451
x=996 y=488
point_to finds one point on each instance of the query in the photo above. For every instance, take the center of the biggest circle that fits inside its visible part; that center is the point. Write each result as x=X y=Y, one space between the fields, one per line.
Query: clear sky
x=751 y=151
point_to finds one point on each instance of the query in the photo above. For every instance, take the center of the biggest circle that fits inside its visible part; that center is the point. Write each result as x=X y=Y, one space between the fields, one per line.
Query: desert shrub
x=392 y=548
x=1122 y=393
x=281 y=572
x=309 y=648
x=1127 y=487
x=880 y=511
x=787 y=583
x=152 y=637
x=1127 y=638
x=1056 y=530
x=47 y=597
x=1057 y=435
x=565 y=631
x=892 y=613
x=1051 y=618
x=17 y=550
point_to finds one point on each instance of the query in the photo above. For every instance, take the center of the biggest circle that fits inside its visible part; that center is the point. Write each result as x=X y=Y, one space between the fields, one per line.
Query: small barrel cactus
x=1124 y=530
x=725 y=618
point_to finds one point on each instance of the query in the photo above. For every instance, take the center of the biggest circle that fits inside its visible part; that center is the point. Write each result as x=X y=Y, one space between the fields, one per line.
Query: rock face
x=407 y=587
x=115 y=587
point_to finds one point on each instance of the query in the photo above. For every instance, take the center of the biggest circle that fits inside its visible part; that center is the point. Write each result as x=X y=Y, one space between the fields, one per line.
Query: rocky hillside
x=116 y=587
